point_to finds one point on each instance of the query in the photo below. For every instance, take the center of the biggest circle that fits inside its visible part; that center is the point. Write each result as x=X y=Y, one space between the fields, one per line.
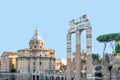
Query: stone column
x=69 y=69
x=23 y=64
x=89 y=52
x=78 y=52
x=37 y=64
x=31 y=65
x=20 y=64
x=50 y=64
x=22 y=69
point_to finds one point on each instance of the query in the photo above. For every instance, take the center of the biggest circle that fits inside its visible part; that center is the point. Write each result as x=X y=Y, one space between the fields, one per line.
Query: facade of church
x=35 y=58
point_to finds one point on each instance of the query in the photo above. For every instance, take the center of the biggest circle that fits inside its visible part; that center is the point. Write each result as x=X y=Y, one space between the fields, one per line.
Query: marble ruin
x=77 y=26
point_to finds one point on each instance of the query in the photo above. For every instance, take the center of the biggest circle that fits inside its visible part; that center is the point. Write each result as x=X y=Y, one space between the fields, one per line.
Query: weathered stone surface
x=77 y=26
x=24 y=76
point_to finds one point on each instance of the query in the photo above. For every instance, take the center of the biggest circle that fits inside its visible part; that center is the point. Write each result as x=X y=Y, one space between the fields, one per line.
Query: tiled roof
x=7 y=53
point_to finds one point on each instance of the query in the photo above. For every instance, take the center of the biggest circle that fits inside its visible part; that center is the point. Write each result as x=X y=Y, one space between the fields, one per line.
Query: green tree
x=117 y=38
x=13 y=70
x=112 y=38
x=117 y=47
x=103 y=39
x=95 y=56
x=108 y=38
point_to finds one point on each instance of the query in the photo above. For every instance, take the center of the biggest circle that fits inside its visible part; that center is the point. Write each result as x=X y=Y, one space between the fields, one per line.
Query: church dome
x=36 y=42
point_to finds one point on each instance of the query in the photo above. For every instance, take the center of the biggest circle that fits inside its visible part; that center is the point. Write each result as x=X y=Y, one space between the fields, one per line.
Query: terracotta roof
x=7 y=53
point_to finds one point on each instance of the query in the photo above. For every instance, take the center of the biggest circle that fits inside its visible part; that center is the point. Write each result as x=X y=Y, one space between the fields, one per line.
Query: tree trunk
x=112 y=44
x=104 y=53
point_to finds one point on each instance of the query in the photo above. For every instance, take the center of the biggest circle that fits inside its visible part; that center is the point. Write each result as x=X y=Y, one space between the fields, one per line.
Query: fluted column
x=69 y=70
x=78 y=52
x=89 y=52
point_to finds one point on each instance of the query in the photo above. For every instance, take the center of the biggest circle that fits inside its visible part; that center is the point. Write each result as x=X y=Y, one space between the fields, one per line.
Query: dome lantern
x=36 y=32
x=36 y=42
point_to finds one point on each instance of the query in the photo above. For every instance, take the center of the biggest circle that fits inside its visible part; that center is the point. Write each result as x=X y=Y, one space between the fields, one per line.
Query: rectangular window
x=33 y=63
x=40 y=62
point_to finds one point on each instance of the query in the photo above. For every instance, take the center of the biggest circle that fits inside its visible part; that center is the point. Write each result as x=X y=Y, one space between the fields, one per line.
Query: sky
x=19 y=19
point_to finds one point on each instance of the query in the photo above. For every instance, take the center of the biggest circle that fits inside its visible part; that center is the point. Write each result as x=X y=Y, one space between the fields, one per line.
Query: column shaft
x=22 y=65
x=89 y=51
x=78 y=52
x=31 y=65
x=69 y=70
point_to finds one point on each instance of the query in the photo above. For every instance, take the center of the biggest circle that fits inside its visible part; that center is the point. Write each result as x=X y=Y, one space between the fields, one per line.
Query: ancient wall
x=6 y=77
x=21 y=76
